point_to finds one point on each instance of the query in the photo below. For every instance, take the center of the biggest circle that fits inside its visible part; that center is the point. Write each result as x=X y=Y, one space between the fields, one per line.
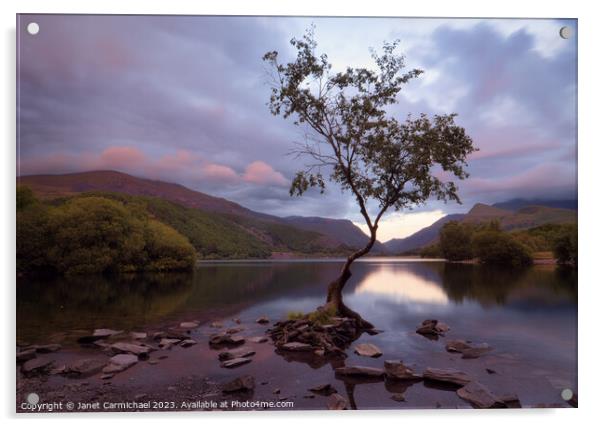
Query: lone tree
x=359 y=145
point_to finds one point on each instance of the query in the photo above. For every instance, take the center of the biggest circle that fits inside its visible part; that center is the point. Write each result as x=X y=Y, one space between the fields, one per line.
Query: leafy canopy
x=353 y=136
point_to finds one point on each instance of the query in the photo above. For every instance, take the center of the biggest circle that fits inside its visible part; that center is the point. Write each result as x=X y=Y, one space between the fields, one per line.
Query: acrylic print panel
x=263 y=213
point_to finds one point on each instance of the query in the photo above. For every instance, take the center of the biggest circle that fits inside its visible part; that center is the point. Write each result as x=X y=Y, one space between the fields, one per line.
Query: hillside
x=516 y=204
x=296 y=234
x=422 y=237
x=521 y=219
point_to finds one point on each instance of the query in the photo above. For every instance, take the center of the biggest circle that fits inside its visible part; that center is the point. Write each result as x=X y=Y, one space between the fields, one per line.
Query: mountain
x=281 y=234
x=342 y=230
x=521 y=218
x=517 y=204
x=526 y=217
x=422 y=237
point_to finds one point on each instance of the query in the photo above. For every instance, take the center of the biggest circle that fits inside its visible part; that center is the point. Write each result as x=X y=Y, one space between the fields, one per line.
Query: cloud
x=260 y=172
x=399 y=225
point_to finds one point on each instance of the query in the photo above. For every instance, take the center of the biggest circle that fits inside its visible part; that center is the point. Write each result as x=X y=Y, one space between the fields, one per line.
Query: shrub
x=295 y=315
x=493 y=246
x=322 y=315
x=167 y=249
x=430 y=251
x=455 y=241
x=565 y=246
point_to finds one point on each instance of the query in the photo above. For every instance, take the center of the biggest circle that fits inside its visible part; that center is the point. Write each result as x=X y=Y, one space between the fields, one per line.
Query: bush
x=430 y=251
x=492 y=246
x=565 y=246
x=455 y=241
x=167 y=249
x=295 y=315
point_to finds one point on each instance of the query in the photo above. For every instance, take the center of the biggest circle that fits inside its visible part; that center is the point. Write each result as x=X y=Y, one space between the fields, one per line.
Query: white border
x=589 y=198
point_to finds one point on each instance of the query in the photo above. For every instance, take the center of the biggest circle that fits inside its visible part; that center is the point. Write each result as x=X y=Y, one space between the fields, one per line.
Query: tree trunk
x=335 y=288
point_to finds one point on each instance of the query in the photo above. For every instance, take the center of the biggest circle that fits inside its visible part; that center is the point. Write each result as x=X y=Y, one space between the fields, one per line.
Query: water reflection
x=402 y=285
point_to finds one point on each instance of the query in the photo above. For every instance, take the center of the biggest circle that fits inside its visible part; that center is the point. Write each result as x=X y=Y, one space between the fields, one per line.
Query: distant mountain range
x=281 y=234
x=264 y=233
x=512 y=215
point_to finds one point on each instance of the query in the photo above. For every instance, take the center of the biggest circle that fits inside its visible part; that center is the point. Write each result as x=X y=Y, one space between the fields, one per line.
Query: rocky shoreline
x=110 y=354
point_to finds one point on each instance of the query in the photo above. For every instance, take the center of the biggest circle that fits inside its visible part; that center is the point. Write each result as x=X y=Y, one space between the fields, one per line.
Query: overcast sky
x=183 y=99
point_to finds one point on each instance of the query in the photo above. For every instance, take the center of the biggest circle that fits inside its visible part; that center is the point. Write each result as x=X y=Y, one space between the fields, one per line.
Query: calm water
x=529 y=317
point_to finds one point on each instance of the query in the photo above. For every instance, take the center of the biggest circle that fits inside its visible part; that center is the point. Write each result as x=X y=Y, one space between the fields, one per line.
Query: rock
x=120 y=362
x=233 y=363
x=140 y=396
x=258 y=340
x=323 y=389
x=105 y=333
x=319 y=352
x=25 y=355
x=86 y=367
x=188 y=343
x=476 y=352
x=125 y=347
x=276 y=391
x=107 y=376
x=167 y=343
x=216 y=325
x=189 y=325
x=38 y=365
x=236 y=353
x=336 y=402
x=236 y=320
x=456 y=346
x=226 y=339
x=176 y=334
x=477 y=394
x=138 y=335
x=244 y=383
x=368 y=350
x=396 y=370
x=58 y=370
x=152 y=361
x=263 y=320
x=442 y=327
x=398 y=397
x=365 y=371
x=452 y=376
x=47 y=348
x=236 y=330
x=511 y=401
x=490 y=371
x=296 y=346
x=432 y=327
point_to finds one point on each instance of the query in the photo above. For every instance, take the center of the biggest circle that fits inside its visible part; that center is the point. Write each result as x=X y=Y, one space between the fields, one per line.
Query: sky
x=184 y=99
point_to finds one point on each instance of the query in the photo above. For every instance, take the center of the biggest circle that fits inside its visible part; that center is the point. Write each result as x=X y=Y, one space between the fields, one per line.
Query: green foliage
x=493 y=246
x=543 y=238
x=167 y=249
x=25 y=197
x=353 y=136
x=566 y=247
x=295 y=315
x=455 y=241
x=323 y=315
x=431 y=251
x=92 y=234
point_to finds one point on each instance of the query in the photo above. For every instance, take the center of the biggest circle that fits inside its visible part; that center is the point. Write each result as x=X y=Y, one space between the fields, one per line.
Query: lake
x=529 y=317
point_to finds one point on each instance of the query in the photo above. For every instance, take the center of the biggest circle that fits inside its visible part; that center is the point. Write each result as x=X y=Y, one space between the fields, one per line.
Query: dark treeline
x=93 y=234
x=487 y=242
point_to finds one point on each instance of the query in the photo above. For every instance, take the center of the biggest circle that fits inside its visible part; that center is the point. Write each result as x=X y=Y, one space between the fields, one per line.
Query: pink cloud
x=260 y=172
x=121 y=157
x=217 y=172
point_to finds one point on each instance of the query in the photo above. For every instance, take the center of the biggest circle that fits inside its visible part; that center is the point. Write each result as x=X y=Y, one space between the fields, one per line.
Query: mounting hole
x=567 y=394
x=33 y=28
x=565 y=32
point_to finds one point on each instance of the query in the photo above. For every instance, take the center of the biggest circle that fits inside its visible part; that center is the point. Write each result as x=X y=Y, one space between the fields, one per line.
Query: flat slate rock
x=323 y=389
x=396 y=370
x=25 y=355
x=120 y=362
x=105 y=333
x=336 y=402
x=368 y=350
x=37 y=365
x=263 y=320
x=456 y=346
x=476 y=351
x=126 y=347
x=365 y=371
x=258 y=340
x=244 y=383
x=233 y=363
x=452 y=376
x=189 y=325
x=236 y=353
x=226 y=339
x=398 y=397
x=188 y=343
x=296 y=346
x=478 y=395
x=86 y=367
x=138 y=335
x=167 y=343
